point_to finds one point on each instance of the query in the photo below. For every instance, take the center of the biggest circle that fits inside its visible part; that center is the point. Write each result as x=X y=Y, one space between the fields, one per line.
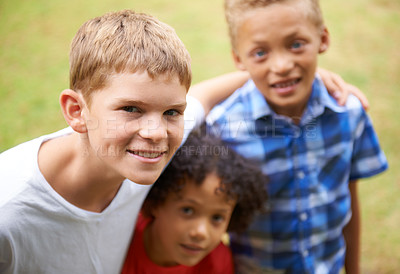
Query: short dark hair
x=236 y=10
x=201 y=155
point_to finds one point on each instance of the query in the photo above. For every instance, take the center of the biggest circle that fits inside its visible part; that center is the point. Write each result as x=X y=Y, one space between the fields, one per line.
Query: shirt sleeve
x=7 y=260
x=368 y=158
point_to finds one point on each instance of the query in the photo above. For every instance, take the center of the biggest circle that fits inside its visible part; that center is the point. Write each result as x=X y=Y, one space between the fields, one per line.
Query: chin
x=191 y=263
x=145 y=180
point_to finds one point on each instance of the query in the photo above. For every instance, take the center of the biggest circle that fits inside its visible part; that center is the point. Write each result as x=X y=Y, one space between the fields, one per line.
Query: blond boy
x=68 y=203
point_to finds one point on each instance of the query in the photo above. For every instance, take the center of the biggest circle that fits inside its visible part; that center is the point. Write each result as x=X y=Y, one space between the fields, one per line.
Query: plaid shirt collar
x=319 y=101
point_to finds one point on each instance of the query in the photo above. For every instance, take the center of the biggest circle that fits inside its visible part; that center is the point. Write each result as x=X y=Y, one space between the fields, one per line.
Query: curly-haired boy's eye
x=218 y=218
x=187 y=210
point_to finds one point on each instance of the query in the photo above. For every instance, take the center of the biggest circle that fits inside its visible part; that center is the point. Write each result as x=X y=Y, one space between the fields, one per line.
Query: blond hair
x=125 y=41
x=235 y=12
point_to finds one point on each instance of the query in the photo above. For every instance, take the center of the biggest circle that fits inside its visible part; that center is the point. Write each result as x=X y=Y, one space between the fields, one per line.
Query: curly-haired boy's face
x=188 y=226
x=135 y=125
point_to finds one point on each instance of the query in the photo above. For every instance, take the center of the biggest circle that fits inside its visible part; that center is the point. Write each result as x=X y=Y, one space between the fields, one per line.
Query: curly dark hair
x=201 y=155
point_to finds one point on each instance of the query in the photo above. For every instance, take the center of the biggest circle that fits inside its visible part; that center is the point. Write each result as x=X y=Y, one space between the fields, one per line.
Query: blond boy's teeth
x=148 y=154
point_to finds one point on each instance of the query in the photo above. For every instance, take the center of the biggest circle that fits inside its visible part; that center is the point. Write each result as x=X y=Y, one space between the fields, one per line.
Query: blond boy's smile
x=137 y=124
x=147 y=155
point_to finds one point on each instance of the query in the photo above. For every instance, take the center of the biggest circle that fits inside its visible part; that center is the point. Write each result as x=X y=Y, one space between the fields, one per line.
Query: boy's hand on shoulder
x=339 y=89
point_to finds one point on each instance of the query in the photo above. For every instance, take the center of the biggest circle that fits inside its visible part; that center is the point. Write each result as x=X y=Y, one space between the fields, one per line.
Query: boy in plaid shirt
x=312 y=149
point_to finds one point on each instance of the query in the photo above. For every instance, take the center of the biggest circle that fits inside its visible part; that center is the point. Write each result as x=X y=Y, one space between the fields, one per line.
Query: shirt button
x=303 y=216
x=300 y=174
x=296 y=132
x=305 y=253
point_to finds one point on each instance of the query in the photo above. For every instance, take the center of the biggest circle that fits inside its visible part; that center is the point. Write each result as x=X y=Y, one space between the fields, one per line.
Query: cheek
x=167 y=220
x=127 y=128
x=108 y=127
x=173 y=231
x=219 y=234
x=175 y=132
x=115 y=135
x=258 y=71
x=216 y=238
x=310 y=58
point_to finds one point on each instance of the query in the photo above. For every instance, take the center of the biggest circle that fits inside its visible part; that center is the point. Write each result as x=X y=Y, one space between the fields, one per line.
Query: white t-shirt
x=40 y=232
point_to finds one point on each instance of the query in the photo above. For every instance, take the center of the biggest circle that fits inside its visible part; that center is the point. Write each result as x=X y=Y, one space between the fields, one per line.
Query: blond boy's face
x=279 y=47
x=188 y=226
x=135 y=125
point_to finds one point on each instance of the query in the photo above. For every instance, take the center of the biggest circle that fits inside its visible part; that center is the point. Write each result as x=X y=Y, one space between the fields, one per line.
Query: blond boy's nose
x=153 y=129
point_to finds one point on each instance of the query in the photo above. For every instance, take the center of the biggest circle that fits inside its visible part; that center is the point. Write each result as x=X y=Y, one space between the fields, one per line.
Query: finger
x=360 y=95
x=342 y=89
x=327 y=78
x=337 y=87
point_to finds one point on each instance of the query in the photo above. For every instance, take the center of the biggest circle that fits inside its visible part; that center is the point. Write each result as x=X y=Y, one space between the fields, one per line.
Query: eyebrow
x=196 y=203
x=141 y=103
x=292 y=35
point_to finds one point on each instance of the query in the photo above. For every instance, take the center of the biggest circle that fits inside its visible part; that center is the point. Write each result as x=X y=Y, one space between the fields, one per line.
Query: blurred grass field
x=34 y=45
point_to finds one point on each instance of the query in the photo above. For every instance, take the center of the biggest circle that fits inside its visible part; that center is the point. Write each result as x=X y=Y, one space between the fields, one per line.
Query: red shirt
x=219 y=261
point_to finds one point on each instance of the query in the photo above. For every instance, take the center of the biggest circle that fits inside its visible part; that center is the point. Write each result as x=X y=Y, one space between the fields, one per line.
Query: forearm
x=352 y=234
x=212 y=91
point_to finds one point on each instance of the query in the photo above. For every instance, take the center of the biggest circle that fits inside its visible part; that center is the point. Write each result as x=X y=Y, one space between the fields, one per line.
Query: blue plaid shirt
x=309 y=166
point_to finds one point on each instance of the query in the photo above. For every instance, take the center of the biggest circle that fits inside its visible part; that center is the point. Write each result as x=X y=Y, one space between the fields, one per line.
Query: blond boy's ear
x=72 y=105
x=325 y=40
x=237 y=60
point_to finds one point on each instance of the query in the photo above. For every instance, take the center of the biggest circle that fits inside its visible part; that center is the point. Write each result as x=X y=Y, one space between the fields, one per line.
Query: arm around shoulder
x=339 y=89
x=212 y=91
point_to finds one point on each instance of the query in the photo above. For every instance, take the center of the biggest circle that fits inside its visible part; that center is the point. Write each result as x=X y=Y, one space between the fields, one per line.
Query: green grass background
x=34 y=45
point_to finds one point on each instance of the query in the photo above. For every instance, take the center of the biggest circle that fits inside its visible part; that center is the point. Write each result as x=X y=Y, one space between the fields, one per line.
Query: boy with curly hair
x=206 y=190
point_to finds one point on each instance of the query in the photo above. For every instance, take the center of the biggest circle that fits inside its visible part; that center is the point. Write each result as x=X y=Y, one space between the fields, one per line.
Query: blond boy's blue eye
x=130 y=109
x=171 y=112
